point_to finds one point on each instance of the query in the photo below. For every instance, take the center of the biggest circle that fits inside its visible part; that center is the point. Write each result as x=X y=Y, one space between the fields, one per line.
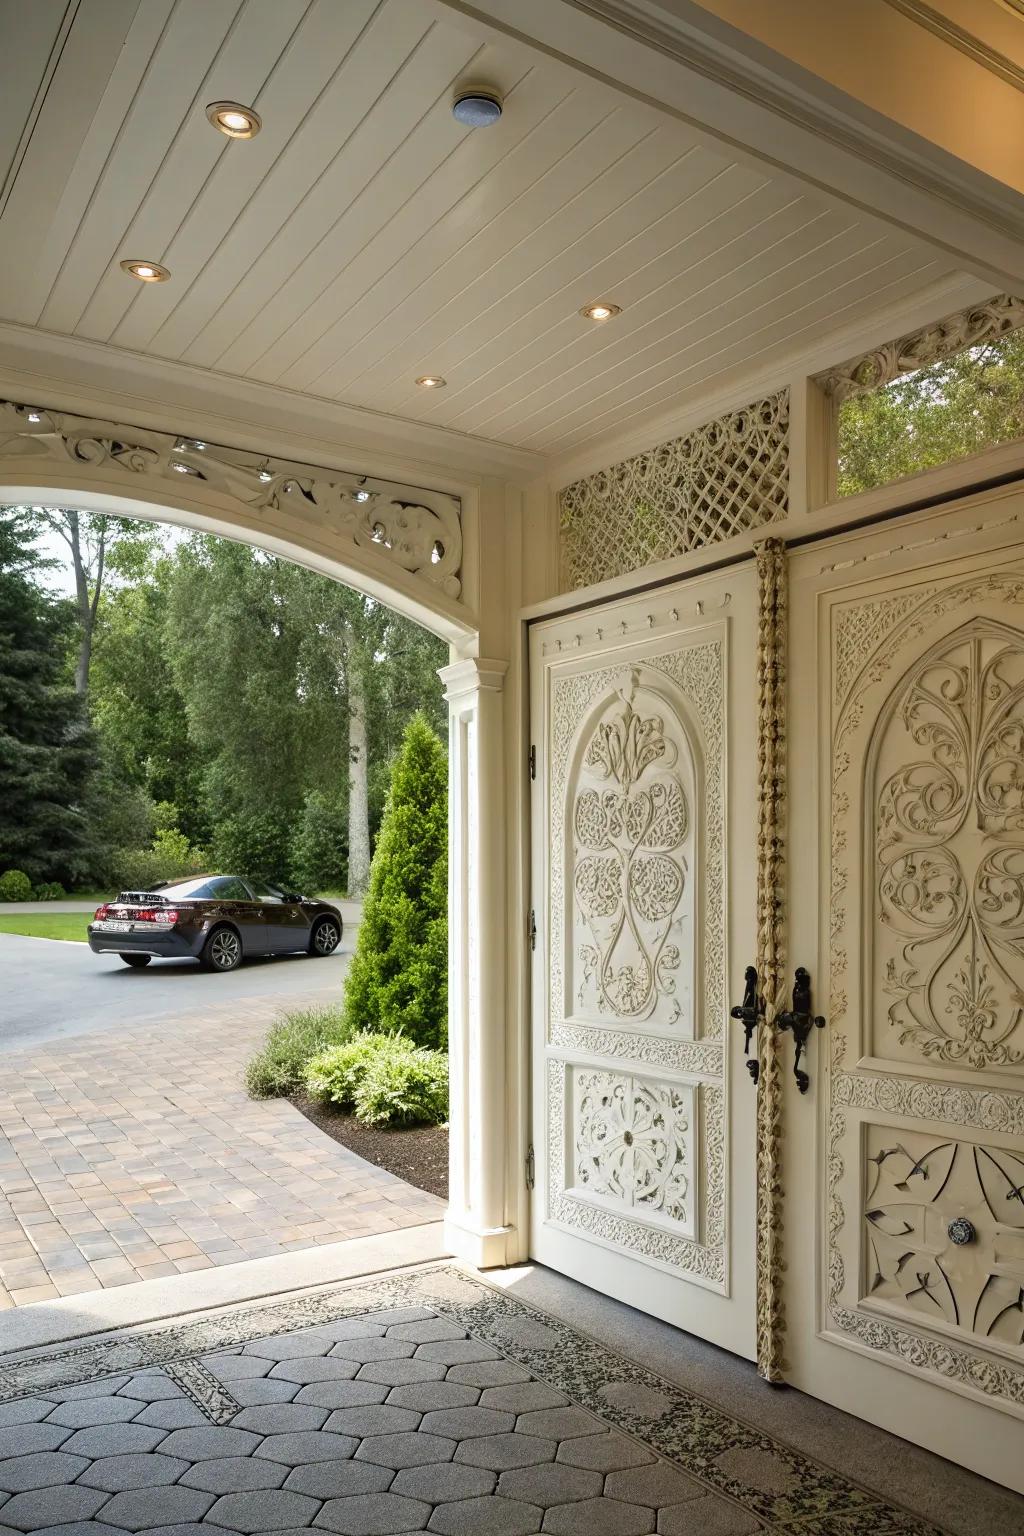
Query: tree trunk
x=358 y=799
x=87 y=604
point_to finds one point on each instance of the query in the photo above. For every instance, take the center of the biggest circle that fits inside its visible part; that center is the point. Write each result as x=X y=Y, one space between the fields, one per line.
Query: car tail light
x=101 y=912
x=157 y=915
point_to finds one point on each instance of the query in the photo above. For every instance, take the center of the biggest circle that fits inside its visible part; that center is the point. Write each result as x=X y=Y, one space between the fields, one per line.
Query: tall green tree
x=398 y=980
x=233 y=646
x=99 y=547
x=342 y=634
x=136 y=705
x=47 y=752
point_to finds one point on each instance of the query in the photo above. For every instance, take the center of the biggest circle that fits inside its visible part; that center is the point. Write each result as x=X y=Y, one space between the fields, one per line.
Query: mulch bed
x=416 y=1153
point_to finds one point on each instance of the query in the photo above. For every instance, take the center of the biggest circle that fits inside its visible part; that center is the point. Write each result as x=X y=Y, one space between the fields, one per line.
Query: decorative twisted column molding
x=771 y=812
x=967 y=328
x=476 y=1228
x=389 y=527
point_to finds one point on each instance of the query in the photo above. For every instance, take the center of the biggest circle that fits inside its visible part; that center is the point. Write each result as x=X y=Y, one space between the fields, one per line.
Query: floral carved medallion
x=633 y=1142
x=949 y=855
x=630 y=820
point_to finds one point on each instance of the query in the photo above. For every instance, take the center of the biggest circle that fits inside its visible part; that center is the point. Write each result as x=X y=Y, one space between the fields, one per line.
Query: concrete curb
x=44 y=1324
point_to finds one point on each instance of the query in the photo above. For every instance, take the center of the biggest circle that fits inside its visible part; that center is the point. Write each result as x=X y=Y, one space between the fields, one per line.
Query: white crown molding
x=773 y=113
x=92 y=378
x=955 y=36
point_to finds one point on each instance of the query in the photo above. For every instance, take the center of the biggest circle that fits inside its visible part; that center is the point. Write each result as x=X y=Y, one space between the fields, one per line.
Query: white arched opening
x=406 y=546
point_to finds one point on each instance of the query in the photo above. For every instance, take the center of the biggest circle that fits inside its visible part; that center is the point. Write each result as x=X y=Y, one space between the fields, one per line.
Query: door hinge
x=533 y=762
x=533 y=929
x=531 y=1167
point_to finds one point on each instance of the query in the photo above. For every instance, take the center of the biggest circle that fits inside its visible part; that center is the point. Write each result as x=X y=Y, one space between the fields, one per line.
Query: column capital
x=472 y=675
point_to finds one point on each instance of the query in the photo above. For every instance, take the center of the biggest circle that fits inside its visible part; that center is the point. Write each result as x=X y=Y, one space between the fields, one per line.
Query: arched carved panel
x=946 y=786
x=632 y=877
x=926 y=975
x=636 y=1143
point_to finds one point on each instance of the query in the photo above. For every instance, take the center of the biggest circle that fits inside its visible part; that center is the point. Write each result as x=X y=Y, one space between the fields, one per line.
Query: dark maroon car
x=218 y=920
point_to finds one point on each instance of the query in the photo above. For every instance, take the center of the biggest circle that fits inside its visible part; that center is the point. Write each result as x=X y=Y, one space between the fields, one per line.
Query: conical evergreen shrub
x=397 y=983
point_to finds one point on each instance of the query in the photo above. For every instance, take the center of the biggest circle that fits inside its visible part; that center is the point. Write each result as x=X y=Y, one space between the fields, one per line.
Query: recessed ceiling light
x=231 y=118
x=431 y=381
x=362 y=495
x=600 y=310
x=146 y=271
x=476 y=109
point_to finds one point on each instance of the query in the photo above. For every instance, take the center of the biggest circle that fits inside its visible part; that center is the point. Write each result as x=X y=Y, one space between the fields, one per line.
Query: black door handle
x=801 y=1021
x=749 y=1013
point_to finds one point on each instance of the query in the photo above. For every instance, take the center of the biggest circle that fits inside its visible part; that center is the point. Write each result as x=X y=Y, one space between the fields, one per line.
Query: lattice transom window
x=722 y=479
x=939 y=394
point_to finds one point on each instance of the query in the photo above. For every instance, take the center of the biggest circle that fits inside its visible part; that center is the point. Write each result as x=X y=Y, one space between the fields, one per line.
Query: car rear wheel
x=136 y=961
x=325 y=936
x=222 y=950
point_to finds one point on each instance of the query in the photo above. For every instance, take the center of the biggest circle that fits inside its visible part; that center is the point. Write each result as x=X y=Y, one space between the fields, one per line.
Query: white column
x=476 y=1228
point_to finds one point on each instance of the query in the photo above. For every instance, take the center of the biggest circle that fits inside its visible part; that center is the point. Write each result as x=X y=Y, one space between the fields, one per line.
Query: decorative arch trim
x=400 y=543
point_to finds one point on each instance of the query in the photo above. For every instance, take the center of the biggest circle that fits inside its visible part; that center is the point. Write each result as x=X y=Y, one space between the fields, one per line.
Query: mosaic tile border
x=202 y=1388
x=672 y=1422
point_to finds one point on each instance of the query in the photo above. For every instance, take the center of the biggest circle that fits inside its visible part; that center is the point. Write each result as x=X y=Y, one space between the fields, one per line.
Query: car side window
x=265 y=892
x=230 y=888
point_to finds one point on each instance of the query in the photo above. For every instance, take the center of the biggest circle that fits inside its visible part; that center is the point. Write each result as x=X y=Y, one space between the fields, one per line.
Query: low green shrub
x=386 y=1079
x=280 y=1067
x=15 y=885
x=403 y=1085
x=51 y=891
x=334 y=1074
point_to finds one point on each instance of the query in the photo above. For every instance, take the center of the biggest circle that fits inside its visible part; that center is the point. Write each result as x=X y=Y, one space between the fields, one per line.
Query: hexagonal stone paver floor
x=442 y=1406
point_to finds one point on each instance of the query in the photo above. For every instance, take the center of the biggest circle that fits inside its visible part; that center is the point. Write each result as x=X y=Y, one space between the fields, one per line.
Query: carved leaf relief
x=949 y=853
x=945 y=1232
x=633 y=1143
x=631 y=848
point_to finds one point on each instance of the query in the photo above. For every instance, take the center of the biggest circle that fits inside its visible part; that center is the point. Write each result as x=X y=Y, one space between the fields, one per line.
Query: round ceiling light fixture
x=431 y=381
x=476 y=109
x=234 y=120
x=600 y=310
x=146 y=271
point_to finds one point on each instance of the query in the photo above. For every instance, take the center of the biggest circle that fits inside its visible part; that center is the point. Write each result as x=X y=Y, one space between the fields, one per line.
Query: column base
x=483 y=1247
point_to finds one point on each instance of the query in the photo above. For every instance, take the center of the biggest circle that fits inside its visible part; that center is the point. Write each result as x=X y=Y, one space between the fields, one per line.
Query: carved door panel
x=643 y=822
x=904 y=1164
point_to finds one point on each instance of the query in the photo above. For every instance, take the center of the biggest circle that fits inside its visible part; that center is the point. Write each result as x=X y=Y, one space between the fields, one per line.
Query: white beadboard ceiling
x=365 y=237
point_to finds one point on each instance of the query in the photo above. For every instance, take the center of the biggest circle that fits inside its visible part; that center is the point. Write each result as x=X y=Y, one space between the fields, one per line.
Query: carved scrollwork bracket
x=930 y=344
x=419 y=531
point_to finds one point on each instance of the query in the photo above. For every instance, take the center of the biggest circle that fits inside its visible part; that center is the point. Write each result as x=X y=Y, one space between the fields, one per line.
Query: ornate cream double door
x=902 y=1146
x=644 y=863
x=903 y=1164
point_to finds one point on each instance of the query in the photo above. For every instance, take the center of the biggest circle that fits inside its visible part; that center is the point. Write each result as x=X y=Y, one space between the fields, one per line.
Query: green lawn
x=47 y=925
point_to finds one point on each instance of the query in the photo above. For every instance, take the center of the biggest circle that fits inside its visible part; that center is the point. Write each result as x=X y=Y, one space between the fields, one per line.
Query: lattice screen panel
x=724 y=478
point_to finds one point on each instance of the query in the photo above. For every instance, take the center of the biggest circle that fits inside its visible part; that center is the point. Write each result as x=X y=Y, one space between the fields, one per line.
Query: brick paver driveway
x=135 y=1153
